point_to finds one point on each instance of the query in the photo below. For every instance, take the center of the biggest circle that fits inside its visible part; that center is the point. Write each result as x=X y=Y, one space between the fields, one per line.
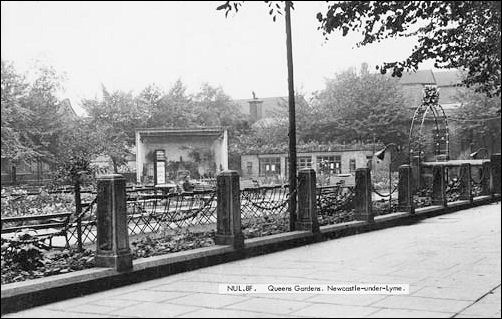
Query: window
x=303 y=162
x=149 y=169
x=338 y=165
x=352 y=165
x=249 y=166
x=270 y=166
x=331 y=164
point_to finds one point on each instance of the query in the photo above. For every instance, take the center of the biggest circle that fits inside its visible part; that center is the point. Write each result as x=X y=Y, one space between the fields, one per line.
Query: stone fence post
x=405 y=189
x=363 y=203
x=228 y=229
x=438 y=186
x=465 y=182
x=486 y=175
x=112 y=232
x=495 y=161
x=307 y=201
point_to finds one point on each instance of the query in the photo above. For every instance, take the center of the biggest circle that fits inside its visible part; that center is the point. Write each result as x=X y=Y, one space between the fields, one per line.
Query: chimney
x=255 y=108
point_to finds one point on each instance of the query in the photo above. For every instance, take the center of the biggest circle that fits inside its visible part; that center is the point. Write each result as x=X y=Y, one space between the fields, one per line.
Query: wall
x=346 y=156
x=175 y=147
x=255 y=166
x=34 y=173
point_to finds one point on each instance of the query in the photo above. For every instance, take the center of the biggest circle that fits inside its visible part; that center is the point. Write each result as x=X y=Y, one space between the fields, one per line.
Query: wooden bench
x=53 y=223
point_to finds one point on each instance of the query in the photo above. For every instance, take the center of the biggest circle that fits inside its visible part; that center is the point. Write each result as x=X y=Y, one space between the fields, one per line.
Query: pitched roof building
x=447 y=82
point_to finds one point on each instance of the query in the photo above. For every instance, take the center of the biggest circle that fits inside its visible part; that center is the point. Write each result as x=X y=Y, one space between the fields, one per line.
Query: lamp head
x=381 y=154
x=474 y=155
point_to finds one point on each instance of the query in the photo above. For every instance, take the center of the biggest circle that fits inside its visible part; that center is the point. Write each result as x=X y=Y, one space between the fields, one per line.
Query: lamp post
x=381 y=155
x=475 y=154
x=292 y=121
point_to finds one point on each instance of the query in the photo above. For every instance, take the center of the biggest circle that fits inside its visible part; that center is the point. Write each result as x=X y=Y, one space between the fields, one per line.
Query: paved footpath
x=452 y=263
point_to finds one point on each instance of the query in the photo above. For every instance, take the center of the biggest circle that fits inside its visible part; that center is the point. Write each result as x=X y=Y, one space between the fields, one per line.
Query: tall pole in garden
x=292 y=122
x=78 y=209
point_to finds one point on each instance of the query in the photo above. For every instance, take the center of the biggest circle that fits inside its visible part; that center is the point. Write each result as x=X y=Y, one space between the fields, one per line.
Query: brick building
x=340 y=160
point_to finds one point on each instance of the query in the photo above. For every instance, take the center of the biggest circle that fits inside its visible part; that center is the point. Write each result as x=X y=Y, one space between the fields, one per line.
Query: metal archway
x=429 y=137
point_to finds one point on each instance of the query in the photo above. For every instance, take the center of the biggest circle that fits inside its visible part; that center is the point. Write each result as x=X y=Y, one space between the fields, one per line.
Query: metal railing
x=335 y=204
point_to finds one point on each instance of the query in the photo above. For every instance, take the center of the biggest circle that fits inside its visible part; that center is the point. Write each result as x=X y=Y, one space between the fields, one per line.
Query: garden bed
x=17 y=201
x=26 y=257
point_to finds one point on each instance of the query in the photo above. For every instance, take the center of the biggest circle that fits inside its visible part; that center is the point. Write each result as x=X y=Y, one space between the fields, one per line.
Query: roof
x=448 y=78
x=180 y=131
x=176 y=130
x=312 y=148
x=269 y=104
x=418 y=77
x=439 y=78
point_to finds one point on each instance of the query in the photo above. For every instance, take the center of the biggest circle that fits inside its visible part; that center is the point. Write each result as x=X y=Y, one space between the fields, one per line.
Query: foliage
x=199 y=154
x=381 y=206
x=275 y=7
x=341 y=216
x=78 y=144
x=362 y=107
x=37 y=204
x=214 y=108
x=23 y=251
x=455 y=34
x=31 y=113
x=113 y=121
x=167 y=110
x=478 y=118
x=180 y=240
x=423 y=196
x=174 y=166
x=352 y=109
x=42 y=263
x=17 y=201
x=16 y=140
x=265 y=226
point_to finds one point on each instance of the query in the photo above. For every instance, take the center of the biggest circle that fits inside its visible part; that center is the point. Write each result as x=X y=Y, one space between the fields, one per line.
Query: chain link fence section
x=478 y=173
x=335 y=204
x=454 y=183
x=264 y=210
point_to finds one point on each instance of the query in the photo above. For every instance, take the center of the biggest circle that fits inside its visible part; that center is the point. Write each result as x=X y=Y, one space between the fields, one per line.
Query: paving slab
x=451 y=262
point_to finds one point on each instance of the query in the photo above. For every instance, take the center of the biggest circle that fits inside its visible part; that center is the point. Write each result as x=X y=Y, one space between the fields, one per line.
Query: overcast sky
x=128 y=45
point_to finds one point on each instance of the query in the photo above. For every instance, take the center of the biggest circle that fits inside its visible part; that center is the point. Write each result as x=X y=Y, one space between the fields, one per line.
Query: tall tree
x=477 y=120
x=31 y=118
x=455 y=34
x=17 y=142
x=174 y=109
x=78 y=145
x=214 y=108
x=362 y=107
x=114 y=119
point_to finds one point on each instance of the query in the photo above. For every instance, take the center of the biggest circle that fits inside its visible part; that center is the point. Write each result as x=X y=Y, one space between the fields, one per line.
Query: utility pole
x=292 y=122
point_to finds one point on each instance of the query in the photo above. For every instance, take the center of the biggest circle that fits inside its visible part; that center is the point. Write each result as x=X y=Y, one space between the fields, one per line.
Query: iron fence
x=264 y=210
x=454 y=183
x=335 y=204
x=384 y=203
x=478 y=174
